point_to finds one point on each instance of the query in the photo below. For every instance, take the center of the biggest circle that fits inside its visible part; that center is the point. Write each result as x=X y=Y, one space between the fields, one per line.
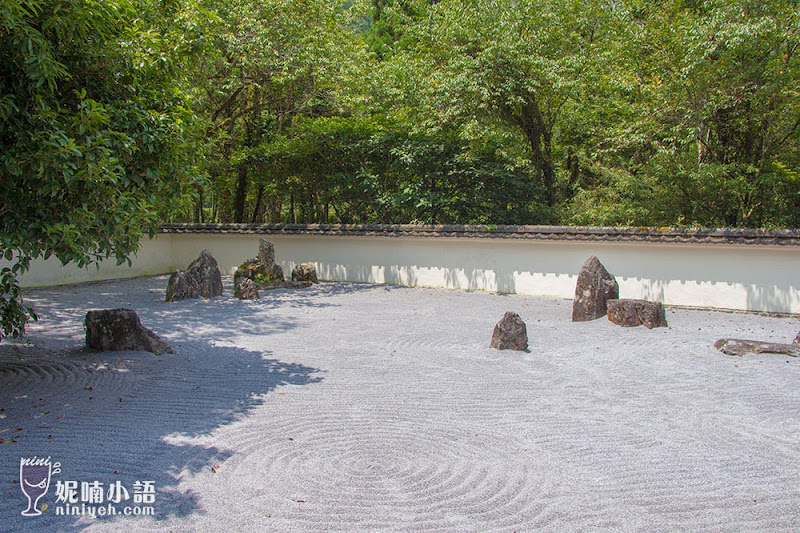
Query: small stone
x=305 y=272
x=629 y=313
x=245 y=289
x=510 y=333
x=202 y=279
x=797 y=339
x=120 y=330
x=594 y=288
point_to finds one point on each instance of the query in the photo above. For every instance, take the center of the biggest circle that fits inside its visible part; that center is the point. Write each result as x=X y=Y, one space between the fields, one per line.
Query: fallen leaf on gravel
x=38 y=405
x=90 y=389
x=43 y=508
x=4 y=430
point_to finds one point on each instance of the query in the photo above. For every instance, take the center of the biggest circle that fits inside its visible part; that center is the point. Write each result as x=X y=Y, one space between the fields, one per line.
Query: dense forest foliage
x=117 y=115
x=647 y=112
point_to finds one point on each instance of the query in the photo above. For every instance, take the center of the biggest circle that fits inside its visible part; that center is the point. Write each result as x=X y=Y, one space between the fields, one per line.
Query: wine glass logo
x=34 y=480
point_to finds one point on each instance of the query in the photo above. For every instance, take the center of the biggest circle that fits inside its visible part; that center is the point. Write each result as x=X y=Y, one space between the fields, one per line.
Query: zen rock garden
x=121 y=329
x=596 y=295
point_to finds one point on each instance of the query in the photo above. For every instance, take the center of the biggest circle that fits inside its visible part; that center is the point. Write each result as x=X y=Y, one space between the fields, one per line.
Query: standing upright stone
x=266 y=258
x=510 y=333
x=594 y=288
x=266 y=253
x=201 y=280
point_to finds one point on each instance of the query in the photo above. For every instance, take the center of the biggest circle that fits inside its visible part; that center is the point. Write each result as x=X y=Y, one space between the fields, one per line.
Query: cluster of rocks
x=597 y=295
x=263 y=273
x=121 y=329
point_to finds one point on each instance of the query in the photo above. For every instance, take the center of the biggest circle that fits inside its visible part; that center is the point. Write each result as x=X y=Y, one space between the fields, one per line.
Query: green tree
x=504 y=66
x=709 y=128
x=97 y=138
x=277 y=61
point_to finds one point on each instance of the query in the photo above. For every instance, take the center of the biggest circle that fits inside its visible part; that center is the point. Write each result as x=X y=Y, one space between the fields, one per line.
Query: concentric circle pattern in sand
x=384 y=468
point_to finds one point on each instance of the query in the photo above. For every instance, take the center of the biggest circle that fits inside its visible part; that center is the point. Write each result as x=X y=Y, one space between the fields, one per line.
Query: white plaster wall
x=754 y=277
x=153 y=257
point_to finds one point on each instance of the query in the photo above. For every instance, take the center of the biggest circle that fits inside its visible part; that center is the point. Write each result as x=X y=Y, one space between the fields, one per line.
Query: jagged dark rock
x=629 y=313
x=305 y=272
x=120 y=330
x=510 y=333
x=245 y=289
x=594 y=288
x=202 y=279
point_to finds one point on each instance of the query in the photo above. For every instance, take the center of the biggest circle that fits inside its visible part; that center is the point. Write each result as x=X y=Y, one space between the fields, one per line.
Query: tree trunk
x=529 y=119
x=241 y=194
x=258 y=209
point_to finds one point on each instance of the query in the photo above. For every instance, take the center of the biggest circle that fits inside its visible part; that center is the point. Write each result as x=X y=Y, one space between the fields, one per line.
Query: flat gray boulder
x=305 y=272
x=742 y=347
x=112 y=330
x=594 y=288
x=630 y=313
x=201 y=280
x=510 y=333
